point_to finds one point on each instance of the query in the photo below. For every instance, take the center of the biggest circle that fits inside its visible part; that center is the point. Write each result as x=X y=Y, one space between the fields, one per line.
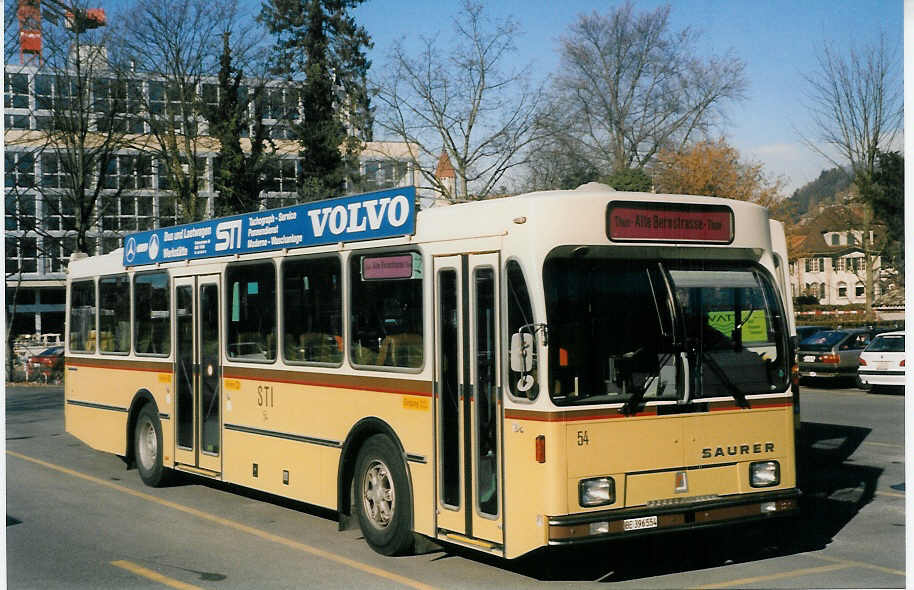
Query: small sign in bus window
x=400 y=266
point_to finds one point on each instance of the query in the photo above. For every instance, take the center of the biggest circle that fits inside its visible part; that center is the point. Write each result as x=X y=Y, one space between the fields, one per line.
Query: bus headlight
x=596 y=491
x=764 y=474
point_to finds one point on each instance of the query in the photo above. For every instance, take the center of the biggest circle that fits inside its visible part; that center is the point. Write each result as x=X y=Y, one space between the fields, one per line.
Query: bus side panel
x=280 y=424
x=98 y=400
x=533 y=490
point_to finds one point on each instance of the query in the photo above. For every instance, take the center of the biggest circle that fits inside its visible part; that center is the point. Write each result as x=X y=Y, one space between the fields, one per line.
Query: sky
x=778 y=41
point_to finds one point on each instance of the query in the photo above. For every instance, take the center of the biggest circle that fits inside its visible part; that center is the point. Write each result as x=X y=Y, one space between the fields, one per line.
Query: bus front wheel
x=382 y=497
x=148 y=447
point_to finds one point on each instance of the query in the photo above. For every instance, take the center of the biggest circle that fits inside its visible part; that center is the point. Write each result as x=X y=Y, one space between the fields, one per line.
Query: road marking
x=882 y=444
x=790 y=574
x=154 y=576
x=848 y=562
x=234 y=525
x=892 y=494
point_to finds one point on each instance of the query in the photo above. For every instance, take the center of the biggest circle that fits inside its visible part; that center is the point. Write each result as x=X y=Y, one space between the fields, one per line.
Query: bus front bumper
x=719 y=511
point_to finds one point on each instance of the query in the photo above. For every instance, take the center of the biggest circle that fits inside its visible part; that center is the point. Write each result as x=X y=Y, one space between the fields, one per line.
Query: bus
x=548 y=369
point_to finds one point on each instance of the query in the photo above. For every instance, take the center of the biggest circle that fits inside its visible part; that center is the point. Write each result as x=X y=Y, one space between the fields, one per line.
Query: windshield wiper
x=735 y=391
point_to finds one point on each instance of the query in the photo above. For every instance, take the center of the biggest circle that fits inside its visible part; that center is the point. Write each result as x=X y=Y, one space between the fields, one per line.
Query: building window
x=840 y=264
x=281 y=176
x=58 y=252
x=822 y=291
x=16 y=91
x=859 y=290
x=21 y=255
x=381 y=174
x=835 y=240
x=842 y=289
x=20 y=169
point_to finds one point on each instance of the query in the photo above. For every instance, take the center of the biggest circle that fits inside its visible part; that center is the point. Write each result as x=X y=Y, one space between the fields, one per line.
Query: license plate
x=634 y=524
x=809 y=359
x=812 y=373
x=882 y=366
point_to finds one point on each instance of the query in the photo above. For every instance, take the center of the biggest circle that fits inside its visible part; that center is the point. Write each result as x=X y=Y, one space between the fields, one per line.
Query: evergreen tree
x=320 y=48
x=238 y=177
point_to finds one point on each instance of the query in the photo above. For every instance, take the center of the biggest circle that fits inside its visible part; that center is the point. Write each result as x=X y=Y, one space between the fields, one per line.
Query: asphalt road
x=77 y=518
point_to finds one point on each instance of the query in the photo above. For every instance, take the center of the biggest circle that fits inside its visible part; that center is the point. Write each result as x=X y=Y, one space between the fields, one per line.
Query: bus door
x=198 y=373
x=468 y=398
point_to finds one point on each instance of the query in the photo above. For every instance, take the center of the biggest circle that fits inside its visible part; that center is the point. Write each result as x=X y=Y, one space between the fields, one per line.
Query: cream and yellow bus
x=554 y=368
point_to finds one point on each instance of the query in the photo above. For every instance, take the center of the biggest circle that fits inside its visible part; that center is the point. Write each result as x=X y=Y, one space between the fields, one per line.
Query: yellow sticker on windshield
x=755 y=324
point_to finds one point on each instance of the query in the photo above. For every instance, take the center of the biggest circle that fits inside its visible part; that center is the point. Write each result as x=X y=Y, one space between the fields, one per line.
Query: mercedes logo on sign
x=131 y=250
x=153 y=247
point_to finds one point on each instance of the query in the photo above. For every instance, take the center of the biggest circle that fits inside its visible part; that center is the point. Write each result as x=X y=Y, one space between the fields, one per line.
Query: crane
x=29 y=13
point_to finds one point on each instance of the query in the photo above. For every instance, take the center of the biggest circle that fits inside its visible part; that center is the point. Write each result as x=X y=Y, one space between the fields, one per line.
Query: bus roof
x=559 y=217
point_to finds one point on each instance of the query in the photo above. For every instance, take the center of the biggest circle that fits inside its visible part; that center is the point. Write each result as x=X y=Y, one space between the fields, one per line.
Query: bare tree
x=629 y=86
x=76 y=129
x=176 y=44
x=467 y=103
x=855 y=102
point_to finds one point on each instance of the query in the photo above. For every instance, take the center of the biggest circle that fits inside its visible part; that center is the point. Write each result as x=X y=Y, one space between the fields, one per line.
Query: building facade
x=829 y=255
x=136 y=194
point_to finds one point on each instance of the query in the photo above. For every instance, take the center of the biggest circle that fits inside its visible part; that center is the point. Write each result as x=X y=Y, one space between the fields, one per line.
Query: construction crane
x=30 y=14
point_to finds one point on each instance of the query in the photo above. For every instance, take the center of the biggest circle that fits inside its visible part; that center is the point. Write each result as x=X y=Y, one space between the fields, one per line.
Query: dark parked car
x=804 y=332
x=832 y=353
x=46 y=366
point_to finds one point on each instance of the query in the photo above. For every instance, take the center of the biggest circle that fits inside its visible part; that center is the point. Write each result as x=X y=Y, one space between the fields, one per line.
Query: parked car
x=46 y=366
x=804 y=332
x=832 y=353
x=881 y=364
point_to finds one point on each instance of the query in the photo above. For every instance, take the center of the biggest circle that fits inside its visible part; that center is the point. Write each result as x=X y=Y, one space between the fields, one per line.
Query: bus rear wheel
x=382 y=497
x=148 y=447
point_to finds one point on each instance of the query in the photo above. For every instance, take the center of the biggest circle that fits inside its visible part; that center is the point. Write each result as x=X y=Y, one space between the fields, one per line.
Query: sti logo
x=228 y=235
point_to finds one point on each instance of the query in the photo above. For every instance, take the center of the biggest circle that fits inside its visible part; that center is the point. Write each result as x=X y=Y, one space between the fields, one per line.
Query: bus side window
x=82 y=316
x=312 y=303
x=251 y=299
x=386 y=310
x=151 y=314
x=114 y=314
x=520 y=313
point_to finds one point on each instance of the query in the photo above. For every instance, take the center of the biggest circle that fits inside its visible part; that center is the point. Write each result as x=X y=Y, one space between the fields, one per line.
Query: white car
x=882 y=362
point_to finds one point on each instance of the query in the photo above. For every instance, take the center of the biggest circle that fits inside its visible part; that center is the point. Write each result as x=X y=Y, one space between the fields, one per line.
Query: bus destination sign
x=370 y=216
x=628 y=221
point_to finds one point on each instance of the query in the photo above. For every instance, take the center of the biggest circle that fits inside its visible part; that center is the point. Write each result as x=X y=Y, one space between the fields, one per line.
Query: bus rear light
x=901 y=364
x=831 y=359
x=861 y=361
x=541 y=448
x=795 y=374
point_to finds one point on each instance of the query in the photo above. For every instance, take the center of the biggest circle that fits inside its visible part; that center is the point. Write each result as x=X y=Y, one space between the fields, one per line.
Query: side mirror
x=521 y=352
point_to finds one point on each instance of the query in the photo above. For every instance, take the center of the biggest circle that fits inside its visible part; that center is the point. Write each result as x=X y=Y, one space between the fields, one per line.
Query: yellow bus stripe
x=801 y=572
x=154 y=576
x=234 y=525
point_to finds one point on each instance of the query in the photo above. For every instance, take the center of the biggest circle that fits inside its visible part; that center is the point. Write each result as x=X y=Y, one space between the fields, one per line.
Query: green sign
x=755 y=324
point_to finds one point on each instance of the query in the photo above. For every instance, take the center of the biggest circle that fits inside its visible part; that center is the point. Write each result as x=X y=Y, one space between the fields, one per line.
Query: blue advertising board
x=370 y=216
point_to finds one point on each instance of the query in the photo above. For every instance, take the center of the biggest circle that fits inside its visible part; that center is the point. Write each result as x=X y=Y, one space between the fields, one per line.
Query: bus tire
x=148 y=447
x=382 y=497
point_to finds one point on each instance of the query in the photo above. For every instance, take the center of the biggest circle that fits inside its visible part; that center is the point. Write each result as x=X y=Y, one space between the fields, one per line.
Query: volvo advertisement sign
x=370 y=216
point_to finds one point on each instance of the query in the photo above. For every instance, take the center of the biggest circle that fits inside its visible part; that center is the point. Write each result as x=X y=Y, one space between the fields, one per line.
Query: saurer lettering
x=735 y=450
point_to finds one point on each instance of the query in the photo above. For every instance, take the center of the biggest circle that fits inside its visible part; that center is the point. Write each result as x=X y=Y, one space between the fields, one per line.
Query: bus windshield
x=621 y=330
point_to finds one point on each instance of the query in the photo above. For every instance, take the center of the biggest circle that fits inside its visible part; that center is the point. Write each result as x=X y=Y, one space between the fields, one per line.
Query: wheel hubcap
x=148 y=445
x=378 y=497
